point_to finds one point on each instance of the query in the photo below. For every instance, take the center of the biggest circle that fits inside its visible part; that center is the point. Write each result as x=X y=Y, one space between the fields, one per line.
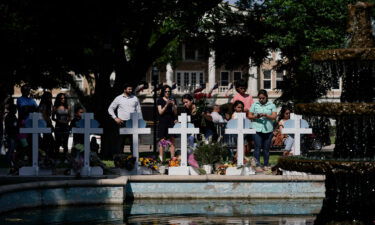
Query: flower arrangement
x=174 y=162
x=125 y=161
x=148 y=163
x=222 y=168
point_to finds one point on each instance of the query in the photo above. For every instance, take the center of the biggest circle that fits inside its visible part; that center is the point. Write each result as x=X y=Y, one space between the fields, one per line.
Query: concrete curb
x=221 y=178
x=119 y=181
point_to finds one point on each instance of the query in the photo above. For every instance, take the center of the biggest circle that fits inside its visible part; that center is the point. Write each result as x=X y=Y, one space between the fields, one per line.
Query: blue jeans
x=262 y=141
x=288 y=142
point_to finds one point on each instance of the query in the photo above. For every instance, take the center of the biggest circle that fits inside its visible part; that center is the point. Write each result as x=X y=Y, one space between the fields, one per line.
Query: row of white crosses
x=136 y=126
x=88 y=126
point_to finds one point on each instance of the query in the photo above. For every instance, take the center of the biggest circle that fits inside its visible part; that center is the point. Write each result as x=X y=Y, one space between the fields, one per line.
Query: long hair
x=46 y=99
x=282 y=112
x=235 y=104
x=58 y=101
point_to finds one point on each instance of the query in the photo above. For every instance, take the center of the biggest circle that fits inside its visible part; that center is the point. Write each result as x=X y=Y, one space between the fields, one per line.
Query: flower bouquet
x=148 y=163
x=174 y=162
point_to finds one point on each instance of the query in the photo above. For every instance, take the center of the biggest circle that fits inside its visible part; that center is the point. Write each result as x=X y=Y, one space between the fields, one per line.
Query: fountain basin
x=115 y=191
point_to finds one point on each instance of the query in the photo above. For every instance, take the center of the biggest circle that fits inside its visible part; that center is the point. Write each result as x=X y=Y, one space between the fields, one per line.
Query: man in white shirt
x=124 y=104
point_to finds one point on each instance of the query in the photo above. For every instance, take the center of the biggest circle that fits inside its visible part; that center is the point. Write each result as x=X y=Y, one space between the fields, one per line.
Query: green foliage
x=209 y=153
x=298 y=28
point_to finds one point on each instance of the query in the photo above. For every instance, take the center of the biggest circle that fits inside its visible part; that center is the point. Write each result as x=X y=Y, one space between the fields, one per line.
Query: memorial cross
x=183 y=128
x=135 y=127
x=88 y=126
x=241 y=127
x=38 y=126
x=297 y=126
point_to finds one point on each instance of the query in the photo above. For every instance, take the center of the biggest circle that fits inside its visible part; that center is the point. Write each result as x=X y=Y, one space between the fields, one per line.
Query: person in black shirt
x=167 y=109
x=11 y=131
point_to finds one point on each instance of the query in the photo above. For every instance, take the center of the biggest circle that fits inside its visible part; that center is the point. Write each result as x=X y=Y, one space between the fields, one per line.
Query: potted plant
x=207 y=153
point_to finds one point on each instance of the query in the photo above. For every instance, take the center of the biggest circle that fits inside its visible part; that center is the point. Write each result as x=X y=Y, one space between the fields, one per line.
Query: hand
x=170 y=102
x=119 y=121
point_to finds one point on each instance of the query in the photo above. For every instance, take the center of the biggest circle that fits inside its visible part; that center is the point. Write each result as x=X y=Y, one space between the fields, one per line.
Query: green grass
x=110 y=164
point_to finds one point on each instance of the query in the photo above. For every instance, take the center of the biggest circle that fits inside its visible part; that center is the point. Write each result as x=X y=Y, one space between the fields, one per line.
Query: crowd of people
x=57 y=116
x=262 y=113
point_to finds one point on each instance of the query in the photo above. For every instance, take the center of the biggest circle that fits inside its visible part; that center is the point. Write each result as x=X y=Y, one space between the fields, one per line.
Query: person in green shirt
x=262 y=113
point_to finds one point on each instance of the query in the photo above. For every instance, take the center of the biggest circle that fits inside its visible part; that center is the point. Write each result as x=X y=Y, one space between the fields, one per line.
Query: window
x=266 y=79
x=193 y=80
x=224 y=78
x=336 y=83
x=279 y=79
x=190 y=52
x=201 y=79
x=189 y=80
x=237 y=76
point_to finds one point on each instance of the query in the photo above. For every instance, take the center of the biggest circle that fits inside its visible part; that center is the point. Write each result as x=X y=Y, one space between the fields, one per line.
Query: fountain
x=350 y=172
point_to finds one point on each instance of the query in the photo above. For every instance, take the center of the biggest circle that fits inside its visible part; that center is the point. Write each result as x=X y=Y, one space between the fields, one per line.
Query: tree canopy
x=43 y=41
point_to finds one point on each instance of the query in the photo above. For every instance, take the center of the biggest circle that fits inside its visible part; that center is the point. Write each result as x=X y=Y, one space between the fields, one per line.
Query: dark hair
x=46 y=99
x=77 y=108
x=282 y=112
x=162 y=93
x=235 y=104
x=25 y=90
x=240 y=83
x=263 y=92
x=188 y=97
x=58 y=101
x=126 y=85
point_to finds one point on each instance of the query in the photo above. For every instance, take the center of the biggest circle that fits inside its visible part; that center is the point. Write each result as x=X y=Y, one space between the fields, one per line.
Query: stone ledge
x=119 y=181
x=221 y=178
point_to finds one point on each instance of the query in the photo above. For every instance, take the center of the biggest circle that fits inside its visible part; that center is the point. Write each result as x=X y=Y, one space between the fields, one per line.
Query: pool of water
x=286 y=212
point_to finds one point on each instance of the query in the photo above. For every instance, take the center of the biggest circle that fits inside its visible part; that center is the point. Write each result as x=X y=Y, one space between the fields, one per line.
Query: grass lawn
x=109 y=163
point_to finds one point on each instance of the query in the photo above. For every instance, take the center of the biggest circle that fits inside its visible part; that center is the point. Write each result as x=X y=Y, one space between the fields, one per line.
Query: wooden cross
x=297 y=126
x=88 y=127
x=183 y=128
x=38 y=126
x=241 y=127
x=135 y=127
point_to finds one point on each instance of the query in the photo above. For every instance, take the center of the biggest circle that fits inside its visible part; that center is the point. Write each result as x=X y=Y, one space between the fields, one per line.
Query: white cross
x=184 y=130
x=35 y=130
x=90 y=127
x=135 y=130
x=240 y=130
x=297 y=131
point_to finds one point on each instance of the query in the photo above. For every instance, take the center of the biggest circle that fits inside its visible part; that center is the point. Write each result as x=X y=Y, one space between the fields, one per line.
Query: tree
x=46 y=40
x=297 y=29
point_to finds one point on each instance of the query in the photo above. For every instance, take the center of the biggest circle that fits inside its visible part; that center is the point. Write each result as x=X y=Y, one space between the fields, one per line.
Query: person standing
x=124 y=105
x=45 y=107
x=263 y=113
x=25 y=106
x=167 y=109
x=246 y=99
x=11 y=131
x=61 y=115
x=77 y=138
